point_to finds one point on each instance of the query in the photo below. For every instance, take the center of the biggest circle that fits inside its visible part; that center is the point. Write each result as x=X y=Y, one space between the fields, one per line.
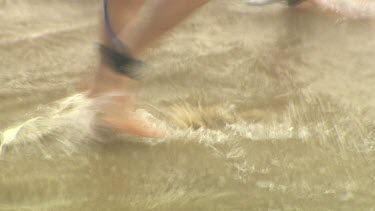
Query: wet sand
x=271 y=109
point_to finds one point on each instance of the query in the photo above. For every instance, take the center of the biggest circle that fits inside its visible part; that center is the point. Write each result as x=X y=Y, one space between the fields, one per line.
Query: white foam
x=70 y=116
x=274 y=131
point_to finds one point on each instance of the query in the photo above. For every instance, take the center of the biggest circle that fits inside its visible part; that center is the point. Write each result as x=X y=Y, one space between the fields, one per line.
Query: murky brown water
x=272 y=109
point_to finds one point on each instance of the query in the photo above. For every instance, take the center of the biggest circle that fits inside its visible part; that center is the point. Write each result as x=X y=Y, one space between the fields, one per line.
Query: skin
x=139 y=24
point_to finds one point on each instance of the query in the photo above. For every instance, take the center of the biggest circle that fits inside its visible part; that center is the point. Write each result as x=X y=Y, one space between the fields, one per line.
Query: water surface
x=271 y=109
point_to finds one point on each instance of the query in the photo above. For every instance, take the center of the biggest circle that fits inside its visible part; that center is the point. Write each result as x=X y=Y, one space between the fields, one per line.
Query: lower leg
x=156 y=18
x=120 y=14
x=137 y=28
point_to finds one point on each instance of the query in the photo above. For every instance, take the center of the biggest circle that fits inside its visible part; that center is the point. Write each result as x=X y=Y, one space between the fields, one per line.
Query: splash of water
x=355 y=9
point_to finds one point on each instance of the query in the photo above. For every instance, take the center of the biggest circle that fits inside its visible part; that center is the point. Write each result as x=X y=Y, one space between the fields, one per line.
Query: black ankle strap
x=121 y=63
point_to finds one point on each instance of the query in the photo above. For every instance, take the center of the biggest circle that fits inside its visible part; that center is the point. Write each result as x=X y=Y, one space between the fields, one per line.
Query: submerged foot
x=117 y=105
x=132 y=124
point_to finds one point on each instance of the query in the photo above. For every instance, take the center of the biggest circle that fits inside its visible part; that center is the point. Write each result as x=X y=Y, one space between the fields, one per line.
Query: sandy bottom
x=271 y=109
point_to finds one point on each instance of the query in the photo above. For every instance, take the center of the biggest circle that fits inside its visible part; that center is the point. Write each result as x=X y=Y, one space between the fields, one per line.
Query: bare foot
x=118 y=104
x=132 y=124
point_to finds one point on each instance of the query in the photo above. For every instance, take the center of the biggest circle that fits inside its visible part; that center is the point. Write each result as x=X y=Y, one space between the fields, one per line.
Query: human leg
x=137 y=30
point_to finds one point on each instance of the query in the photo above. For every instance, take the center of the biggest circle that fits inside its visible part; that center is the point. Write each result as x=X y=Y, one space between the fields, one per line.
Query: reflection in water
x=270 y=108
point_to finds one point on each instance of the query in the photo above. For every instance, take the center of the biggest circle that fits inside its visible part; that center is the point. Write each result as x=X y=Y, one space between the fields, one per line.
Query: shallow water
x=271 y=109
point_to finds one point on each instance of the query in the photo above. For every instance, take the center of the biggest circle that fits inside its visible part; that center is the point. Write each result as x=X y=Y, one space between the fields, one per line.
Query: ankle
x=108 y=81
